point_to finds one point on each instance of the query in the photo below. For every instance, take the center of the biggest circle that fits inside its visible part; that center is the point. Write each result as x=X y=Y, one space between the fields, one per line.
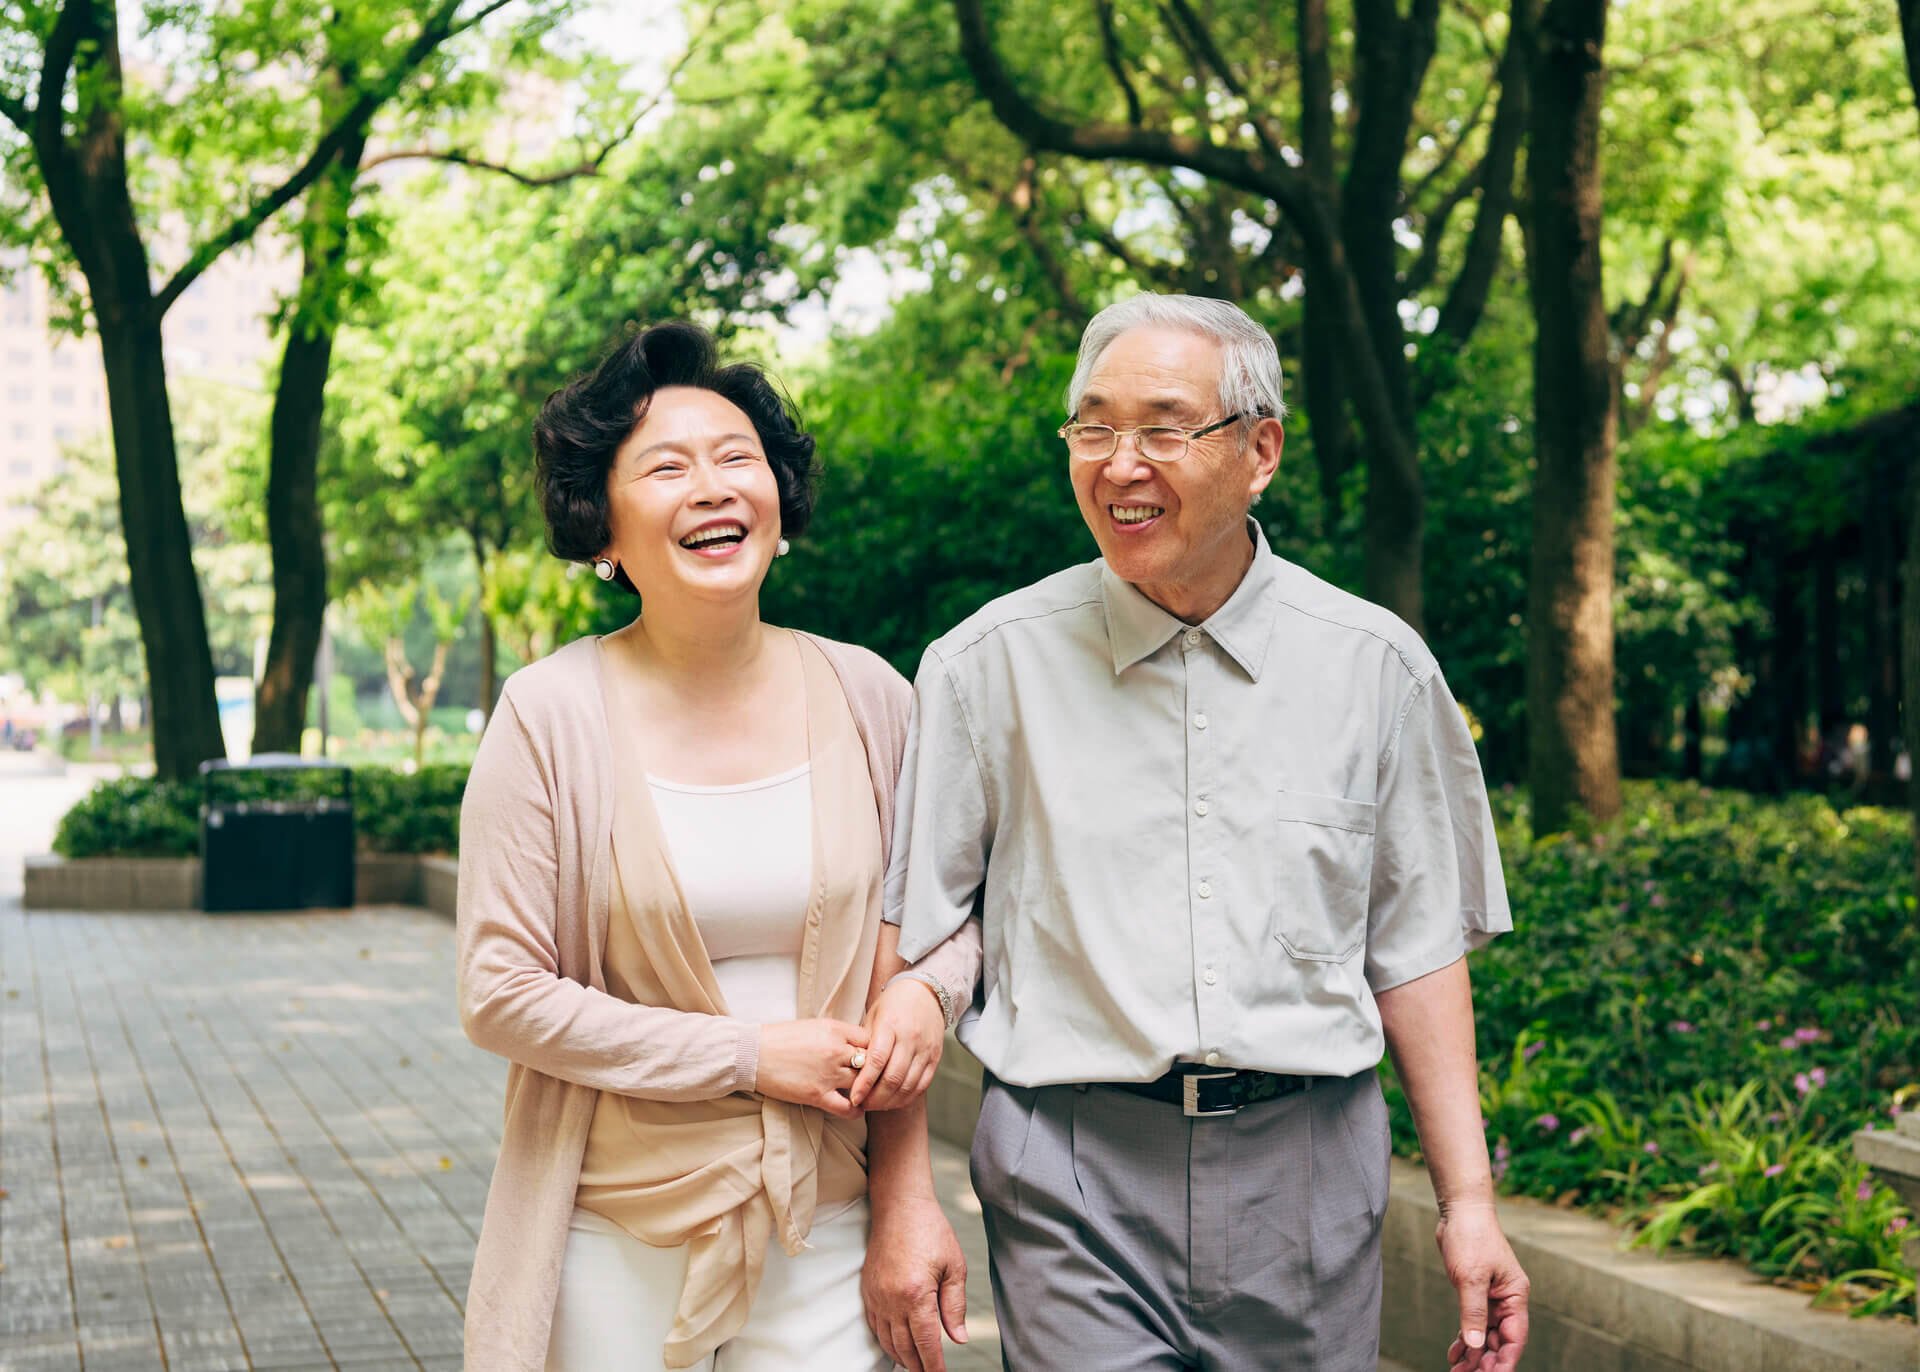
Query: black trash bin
x=276 y=833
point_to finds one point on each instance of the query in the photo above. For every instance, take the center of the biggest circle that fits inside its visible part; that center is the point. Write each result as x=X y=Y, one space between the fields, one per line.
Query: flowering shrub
x=1700 y=1004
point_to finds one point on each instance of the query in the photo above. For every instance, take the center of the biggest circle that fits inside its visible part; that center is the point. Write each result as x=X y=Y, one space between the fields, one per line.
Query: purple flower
x=1775 y=1170
x=1818 y=1076
x=1578 y=1136
x=1865 y=1191
x=1502 y=1156
x=1801 y=1085
x=1681 y=1026
x=1774 y=1117
x=1707 y=1169
x=1807 y=1033
x=1788 y=1044
x=1548 y=1121
x=1646 y=886
x=1650 y=1146
x=1532 y=1050
x=1659 y=900
x=1896 y=1224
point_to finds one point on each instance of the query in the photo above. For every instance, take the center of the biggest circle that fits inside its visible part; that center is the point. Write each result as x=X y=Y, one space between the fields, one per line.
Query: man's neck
x=1194 y=602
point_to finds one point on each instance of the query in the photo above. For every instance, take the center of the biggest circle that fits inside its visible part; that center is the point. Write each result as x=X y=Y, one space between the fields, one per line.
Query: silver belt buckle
x=1190 y=1096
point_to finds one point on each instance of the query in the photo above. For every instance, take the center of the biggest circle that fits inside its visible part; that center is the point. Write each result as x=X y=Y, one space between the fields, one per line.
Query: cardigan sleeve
x=513 y=999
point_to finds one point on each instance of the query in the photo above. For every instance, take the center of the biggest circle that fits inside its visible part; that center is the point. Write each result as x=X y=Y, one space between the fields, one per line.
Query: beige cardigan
x=535 y=842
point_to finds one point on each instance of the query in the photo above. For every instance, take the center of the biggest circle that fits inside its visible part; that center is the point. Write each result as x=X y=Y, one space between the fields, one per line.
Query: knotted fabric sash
x=725 y=1176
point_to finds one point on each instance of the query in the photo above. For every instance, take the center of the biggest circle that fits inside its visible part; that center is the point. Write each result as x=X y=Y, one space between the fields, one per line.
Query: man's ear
x=1265 y=445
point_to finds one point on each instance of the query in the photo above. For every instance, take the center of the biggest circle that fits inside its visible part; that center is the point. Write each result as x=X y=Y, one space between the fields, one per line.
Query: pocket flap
x=1334 y=812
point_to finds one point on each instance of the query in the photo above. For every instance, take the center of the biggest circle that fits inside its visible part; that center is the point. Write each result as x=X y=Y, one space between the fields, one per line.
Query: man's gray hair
x=1250 y=382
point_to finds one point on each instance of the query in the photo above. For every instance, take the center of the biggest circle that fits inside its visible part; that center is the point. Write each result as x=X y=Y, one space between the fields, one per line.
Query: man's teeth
x=1135 y=514
x=702 y=537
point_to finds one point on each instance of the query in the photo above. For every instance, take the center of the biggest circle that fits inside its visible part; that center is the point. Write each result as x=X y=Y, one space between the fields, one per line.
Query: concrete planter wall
x=1595 y=1306
x=123 y=883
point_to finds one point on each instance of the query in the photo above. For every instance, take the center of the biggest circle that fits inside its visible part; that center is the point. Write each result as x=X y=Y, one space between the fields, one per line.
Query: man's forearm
x=1429 y=1028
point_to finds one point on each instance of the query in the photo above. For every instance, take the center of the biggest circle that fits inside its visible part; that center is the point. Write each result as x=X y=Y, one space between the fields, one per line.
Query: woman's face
x=692 y=500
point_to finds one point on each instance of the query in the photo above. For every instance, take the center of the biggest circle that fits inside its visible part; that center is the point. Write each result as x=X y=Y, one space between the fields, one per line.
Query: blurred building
x=53 y=390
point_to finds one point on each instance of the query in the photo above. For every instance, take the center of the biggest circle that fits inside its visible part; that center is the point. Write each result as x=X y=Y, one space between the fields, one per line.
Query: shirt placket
x=1207 y=889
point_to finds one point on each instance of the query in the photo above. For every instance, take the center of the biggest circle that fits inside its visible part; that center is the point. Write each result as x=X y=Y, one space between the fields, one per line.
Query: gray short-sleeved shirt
x=1210 y=843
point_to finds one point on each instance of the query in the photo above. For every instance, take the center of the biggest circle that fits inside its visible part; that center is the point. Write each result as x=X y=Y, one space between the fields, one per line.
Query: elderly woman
x=671 y=858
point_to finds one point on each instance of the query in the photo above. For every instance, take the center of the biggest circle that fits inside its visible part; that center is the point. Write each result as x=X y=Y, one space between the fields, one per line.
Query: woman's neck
x=701 y=644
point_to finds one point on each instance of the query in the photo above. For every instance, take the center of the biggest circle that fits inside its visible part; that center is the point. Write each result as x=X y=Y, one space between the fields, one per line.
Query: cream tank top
x=744 y=855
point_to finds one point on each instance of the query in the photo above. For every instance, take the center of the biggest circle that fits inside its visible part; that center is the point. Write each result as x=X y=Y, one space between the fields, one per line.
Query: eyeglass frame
x=1065 y=434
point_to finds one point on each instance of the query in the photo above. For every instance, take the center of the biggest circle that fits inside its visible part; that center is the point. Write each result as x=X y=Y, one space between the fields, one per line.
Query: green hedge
x=394 y=812
x=1703 y=1001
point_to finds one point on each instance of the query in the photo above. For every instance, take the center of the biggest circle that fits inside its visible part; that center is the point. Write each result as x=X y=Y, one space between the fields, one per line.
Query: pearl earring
x=782 y=548
x=603 y=568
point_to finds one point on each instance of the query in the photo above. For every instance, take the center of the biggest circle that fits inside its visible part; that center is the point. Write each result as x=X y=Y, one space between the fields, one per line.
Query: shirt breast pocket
x=1322 y=871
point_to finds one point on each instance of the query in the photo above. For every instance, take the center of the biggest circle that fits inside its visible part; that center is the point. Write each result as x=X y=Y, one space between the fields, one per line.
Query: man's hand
x=1492 y=1289
x=908 y=1036
x=914 y=1282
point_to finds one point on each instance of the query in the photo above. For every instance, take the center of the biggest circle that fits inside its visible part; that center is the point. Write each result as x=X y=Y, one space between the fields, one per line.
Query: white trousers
x=617 y=1297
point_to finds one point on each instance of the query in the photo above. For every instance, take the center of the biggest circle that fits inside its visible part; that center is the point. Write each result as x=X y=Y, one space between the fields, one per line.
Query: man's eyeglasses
x=1156 y=442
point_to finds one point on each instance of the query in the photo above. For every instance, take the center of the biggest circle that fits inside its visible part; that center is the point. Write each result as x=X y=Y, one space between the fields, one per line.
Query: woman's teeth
x=1135 y=514
x=718 y=533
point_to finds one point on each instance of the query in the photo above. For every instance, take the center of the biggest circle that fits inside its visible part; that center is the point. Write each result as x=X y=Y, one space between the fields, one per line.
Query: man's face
x=1176 y=530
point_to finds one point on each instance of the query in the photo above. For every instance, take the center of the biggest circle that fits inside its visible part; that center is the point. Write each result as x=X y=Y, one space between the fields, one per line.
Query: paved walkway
x=257 y=1142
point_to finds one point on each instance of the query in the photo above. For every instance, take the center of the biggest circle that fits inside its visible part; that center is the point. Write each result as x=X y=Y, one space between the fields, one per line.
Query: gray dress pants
x=1127 y=1237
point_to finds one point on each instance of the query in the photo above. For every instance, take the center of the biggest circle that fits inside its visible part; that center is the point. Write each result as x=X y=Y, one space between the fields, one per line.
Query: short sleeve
x=940 y=822
x=1437 y=889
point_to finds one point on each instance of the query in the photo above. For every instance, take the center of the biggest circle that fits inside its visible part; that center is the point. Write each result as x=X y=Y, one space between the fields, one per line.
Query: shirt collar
x=1243 y=627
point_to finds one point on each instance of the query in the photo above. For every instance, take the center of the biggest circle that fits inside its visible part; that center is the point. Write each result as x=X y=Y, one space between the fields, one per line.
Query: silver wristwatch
x=947 y=1007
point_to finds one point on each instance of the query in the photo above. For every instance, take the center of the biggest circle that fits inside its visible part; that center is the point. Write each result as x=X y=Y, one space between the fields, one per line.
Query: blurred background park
x=1629 y=438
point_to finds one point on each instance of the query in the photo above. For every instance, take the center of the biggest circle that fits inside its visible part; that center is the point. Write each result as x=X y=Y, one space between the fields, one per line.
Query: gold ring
x=859 y=1059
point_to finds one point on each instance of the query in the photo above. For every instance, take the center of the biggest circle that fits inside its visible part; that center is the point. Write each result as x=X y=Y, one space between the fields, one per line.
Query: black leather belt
x=1203 y=1092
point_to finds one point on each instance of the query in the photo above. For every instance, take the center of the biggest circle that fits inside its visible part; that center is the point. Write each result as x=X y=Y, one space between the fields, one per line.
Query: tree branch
x=1209 y=50
x=1467 y=299
x=1452 y=152
x=456 y=158
x=49 y=138
x=1426 y=265
x=14 y=110
x=1249 y=169
x=1110 y=45
x=438 y=28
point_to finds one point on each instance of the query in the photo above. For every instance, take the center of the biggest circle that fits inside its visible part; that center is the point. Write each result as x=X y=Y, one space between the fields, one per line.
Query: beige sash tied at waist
x=724 y=1176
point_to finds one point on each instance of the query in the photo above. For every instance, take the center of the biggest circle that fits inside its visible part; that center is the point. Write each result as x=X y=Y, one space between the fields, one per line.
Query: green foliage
x=395 y=811
x=398 y=812
x=1703 y=1002
x=132 y=817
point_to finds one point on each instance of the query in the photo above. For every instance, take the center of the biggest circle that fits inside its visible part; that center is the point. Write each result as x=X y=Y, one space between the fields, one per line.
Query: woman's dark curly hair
x=583 y=424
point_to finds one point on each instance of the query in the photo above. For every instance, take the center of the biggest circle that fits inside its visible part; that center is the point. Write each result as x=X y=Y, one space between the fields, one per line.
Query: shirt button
x=1199 y=721
x=1199 y=807
x=1209 y=977
x=1193 y=638
x=1205 y=889
x=1213 y=1059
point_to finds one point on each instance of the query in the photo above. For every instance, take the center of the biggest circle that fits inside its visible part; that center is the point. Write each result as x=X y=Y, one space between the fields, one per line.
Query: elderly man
x=1228 y=835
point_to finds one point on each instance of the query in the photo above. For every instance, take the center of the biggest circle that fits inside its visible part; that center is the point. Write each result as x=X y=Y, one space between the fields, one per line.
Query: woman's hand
x=810 y=1062
x=908 y=1036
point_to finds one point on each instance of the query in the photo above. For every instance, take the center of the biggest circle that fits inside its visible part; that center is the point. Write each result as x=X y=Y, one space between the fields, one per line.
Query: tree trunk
x=1882 y=532
x=294 y=535
x=1830 y=692
x=1910 y=623
x=1694 y=763
x=489 y=665
x=166 y=590
x=295 y=529
x=1573 y=747
x=1790 y=661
